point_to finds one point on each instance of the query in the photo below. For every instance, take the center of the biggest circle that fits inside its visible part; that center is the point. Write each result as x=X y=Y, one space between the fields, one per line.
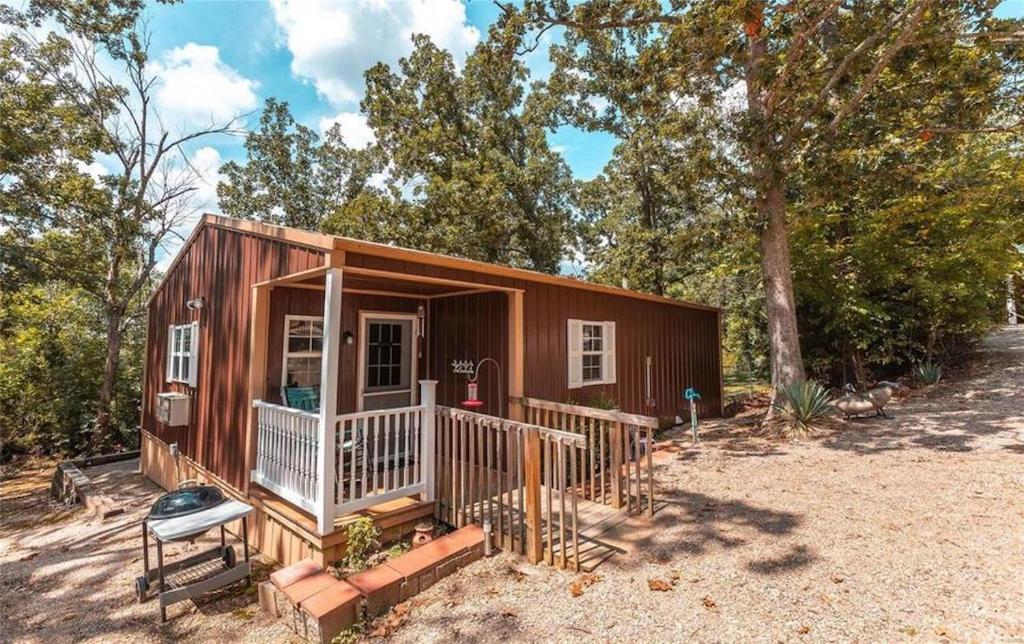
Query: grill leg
x=245 y=548
x=222 y=541
x=145 y=550
x=160 y=572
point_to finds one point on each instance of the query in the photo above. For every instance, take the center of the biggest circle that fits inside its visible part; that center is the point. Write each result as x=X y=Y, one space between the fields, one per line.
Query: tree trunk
x=784 y=339
x=101 y=431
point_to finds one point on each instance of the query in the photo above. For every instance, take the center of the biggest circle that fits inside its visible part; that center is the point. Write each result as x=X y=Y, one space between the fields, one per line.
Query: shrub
x=360 y=542
x=802 y=408
x=928 y=373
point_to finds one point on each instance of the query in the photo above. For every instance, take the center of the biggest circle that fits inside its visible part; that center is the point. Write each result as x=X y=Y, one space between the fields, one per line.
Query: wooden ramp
x=592 y=523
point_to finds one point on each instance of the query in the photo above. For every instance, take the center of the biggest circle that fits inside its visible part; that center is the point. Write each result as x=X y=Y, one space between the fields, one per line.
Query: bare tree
x=139 y=205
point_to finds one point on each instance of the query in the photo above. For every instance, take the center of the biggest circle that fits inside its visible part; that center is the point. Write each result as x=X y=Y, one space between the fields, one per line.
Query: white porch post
x=325 y=466
x=428 y=398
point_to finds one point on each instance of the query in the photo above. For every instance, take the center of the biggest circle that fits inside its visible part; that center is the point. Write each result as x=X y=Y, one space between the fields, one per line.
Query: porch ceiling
x=361 y=280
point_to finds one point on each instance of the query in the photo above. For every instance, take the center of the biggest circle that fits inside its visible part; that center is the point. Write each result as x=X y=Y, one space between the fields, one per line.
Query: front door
x=387 y=360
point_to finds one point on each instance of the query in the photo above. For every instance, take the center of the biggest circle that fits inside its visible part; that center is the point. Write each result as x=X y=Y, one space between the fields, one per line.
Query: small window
x=183 y=353
x=591 y=353
x=384 y=362
x=303 y=350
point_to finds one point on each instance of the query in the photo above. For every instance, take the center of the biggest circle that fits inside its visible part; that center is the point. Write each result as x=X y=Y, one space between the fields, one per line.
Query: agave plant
x=928 y=372
x=802 y=408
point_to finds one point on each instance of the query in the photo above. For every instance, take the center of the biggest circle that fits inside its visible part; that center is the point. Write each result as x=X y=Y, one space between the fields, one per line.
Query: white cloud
x=333 y=42
x=197 y=87
x=355 y=131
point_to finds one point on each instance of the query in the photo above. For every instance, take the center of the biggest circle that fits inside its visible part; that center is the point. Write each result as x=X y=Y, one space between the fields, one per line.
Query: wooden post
x=259 y=321
x=616 y=464
x=428 y=437
x=531 y=500
x=516 y=350
x=325 y=465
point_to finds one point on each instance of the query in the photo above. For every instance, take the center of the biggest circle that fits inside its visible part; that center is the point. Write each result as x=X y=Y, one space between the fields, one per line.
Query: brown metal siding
x=470 y=327
x=683 y=341
x=220 y=265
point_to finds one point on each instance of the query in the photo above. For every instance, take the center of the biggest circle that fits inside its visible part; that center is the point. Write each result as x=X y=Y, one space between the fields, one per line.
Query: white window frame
x=285 y=354
x=575 y=353
x=175 y=357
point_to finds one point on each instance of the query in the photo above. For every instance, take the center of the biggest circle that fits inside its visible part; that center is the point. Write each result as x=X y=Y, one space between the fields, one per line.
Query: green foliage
x=292 y=178
x=928 y=373
x=398 y=549
x=603 y=400
x=53 y=347
x=802 y=409
x=360 y=542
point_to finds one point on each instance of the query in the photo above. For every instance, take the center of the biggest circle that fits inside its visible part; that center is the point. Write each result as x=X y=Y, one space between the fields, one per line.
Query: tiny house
x=266 y=346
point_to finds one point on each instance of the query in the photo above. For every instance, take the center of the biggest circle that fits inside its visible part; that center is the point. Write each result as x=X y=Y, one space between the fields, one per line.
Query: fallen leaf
x=709 y=603
x=659 y=584
x=576 y=589
x=804 y=630
x=837 y=578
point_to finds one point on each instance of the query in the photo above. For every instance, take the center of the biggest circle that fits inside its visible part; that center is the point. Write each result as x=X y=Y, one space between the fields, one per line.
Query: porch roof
x=387 y=283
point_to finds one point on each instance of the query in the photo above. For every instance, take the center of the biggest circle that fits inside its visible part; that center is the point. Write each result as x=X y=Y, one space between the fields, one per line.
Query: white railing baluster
x=380 y=456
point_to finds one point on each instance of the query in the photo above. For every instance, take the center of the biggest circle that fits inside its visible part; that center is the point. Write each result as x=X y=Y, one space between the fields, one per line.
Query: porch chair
x=304 y=398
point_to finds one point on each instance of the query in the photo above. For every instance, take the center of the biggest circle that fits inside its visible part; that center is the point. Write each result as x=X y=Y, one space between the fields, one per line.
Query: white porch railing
x=381 y=456
x=286 y=453
x=378 y=456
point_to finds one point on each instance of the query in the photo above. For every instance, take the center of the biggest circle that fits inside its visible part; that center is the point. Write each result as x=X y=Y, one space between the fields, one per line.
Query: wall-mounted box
x=172 y=408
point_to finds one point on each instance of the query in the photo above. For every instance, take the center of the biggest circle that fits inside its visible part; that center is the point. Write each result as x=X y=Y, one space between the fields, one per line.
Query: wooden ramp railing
x=531 y=480
x=521 y=479
x=617 y=456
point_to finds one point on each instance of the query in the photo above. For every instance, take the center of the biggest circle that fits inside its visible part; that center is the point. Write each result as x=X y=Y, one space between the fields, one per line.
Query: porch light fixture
x=347 y=337
x=421 y=315
x=195 y=304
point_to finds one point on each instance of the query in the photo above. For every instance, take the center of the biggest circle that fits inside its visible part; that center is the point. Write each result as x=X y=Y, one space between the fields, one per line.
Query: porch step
x=319 y=606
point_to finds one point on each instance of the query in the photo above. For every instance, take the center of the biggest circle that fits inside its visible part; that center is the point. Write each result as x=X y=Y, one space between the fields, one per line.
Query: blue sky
x=312 y=55
x=219 y=58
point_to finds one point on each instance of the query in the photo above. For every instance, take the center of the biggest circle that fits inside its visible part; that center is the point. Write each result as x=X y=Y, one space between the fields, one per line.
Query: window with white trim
x=183 y=353
x=303 y=350
x=591 y=353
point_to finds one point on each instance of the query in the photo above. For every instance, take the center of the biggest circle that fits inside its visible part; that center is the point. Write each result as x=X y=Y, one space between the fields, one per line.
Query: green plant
x=349 y=635
x=928 y=372
x=603 y=401
x=360 y=541
x=398 y=549
x=802 y=408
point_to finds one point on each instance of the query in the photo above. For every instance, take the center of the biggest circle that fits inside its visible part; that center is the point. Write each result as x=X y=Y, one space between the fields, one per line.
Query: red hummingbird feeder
x=472 y=400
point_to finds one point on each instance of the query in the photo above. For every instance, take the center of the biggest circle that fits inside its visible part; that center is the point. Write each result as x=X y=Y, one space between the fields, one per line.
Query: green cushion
x=304 y=398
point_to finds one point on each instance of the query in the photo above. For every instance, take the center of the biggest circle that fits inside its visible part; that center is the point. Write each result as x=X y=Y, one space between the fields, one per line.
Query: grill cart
x=183 y=515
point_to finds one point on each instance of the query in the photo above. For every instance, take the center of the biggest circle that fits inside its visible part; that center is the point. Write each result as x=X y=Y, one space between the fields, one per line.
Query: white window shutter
x=193 y=361
x=574 y=353
x=609 y=353
x=170 y=353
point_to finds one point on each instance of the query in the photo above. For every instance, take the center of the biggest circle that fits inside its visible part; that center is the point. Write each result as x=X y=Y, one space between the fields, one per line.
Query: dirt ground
x=902 y=529
x=66 y=576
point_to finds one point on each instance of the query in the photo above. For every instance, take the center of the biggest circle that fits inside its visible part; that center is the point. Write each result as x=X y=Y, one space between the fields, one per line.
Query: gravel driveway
x=902 y=529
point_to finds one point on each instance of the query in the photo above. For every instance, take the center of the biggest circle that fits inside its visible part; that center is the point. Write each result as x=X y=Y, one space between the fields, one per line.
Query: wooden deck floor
x=598 y=527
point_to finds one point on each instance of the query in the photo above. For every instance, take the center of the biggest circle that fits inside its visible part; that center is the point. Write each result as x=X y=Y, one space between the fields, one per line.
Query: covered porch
x=357 y=358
